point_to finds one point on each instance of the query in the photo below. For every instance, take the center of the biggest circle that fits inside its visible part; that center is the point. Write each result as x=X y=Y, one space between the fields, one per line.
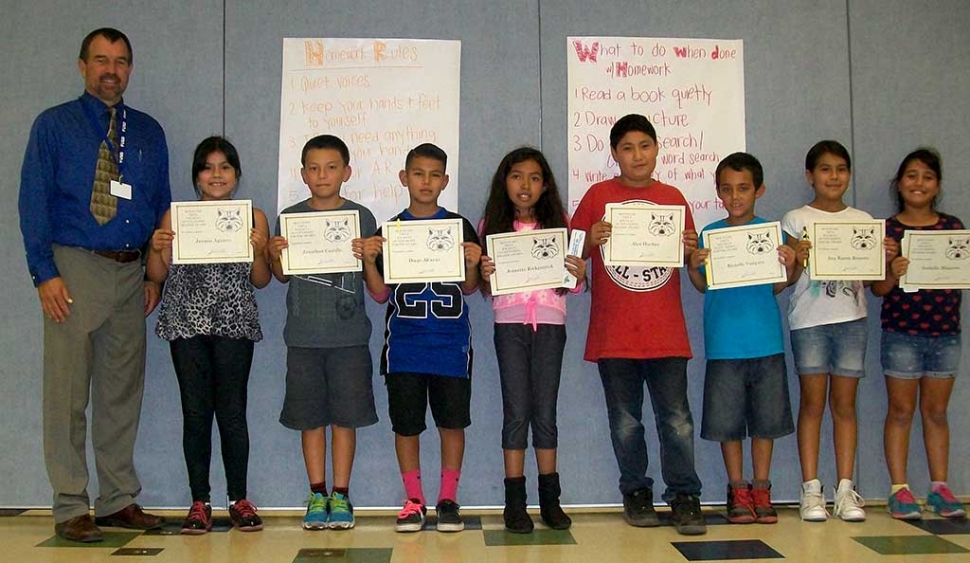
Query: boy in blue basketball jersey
x=427 y=355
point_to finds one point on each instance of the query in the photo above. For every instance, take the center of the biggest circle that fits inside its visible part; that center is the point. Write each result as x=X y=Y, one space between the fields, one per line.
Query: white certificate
x=319 y=242
x=937 y=260
x=211 y=232
x=644 y=235
x=745 y=255
x=847 y=250
x=423 y=251
x=527 y=260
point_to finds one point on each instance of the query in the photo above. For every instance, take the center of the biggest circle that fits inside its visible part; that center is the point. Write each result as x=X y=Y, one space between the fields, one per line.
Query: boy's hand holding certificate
x=937 y=260
x=848 y=251
x=423 y=251
x=645 y=235
x=527 y=260
x=212 y=232
x=745 y=255
x=319 y=242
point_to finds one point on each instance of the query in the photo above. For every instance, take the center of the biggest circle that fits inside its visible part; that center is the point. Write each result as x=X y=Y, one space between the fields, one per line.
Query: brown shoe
x=131 y=517
x=80 y=529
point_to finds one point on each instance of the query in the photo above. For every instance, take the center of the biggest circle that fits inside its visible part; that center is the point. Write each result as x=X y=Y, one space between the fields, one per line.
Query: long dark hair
x=932 y=159
x=500 y=211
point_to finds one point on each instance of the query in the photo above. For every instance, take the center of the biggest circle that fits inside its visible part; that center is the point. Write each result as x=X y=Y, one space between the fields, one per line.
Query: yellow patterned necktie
x=104 y=206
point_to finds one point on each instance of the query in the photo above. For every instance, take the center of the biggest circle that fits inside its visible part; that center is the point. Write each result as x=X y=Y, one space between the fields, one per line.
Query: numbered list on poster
x=691 y=90
x=383 y=97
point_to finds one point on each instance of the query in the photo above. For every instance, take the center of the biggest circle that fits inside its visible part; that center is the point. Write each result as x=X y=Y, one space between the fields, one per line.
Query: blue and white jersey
x=427 y=328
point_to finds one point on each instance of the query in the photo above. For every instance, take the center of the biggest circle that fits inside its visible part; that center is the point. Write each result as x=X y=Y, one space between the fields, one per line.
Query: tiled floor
x=27 y=537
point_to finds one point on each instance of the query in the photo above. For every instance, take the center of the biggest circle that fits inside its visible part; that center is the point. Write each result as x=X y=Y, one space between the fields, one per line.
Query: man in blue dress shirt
x=94 y=185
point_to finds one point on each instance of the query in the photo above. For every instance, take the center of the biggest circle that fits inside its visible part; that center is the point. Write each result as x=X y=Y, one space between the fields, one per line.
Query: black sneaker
x=449 y=519
x=686 y=515
x=411 y=517
x=638 y=509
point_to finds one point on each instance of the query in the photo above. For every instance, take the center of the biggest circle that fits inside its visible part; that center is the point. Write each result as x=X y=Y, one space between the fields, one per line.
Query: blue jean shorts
x=746 y=397
x=912 y=356
x=836 y=349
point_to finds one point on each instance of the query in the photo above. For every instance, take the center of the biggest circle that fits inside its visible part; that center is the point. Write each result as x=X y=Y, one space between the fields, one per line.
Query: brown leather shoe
x=131 y=517
x=80 y=529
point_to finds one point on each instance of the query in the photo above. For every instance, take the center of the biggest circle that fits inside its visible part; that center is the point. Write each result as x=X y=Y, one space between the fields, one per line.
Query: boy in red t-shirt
x=637 y=335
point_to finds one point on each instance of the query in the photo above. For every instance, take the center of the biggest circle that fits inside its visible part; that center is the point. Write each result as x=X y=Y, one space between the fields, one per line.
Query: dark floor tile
x=350 y=555
x=111 y=539
x=539 y=536
x=726 y=550
x=138 y=551
x=710 y=518
x=909 y=545
x=471 y=523
x=943 y=526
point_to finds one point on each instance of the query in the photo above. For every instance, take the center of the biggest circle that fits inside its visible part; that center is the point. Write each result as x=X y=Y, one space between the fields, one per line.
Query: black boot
x=517 y=520
x=549 y=508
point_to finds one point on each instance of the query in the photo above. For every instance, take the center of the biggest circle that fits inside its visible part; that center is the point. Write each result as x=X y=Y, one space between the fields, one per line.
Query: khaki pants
x=98 y=353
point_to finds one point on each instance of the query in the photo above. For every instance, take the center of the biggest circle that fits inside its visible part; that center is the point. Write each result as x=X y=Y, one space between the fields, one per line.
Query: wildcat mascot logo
x=440 y=240
x=760 y=243
x=958 y=248
x=337 y=231
x=229 y=220
x=863 y=239
x=545 y=248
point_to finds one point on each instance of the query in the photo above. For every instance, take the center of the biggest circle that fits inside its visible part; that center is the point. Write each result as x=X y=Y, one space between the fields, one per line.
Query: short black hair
x=823 y=148
x=209 y=146
x=109 y=33
x=739 y=162
x=427 y=150
x=631 y=122
x=326 y=142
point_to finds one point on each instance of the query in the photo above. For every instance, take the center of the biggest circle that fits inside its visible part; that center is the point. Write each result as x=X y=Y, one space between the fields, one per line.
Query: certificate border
x=908 y=235
x=389 y=277
x=712 y=284
x=496 y=288
x=285 y=218
x=607 y=254
x=246 y=204
x=813 y=268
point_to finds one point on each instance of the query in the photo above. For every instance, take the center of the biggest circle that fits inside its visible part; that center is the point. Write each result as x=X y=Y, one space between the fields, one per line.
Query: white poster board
x=383 y=97
x=691 y=90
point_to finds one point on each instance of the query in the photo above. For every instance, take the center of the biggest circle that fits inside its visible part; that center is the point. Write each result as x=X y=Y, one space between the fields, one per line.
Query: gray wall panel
x=910 y=75
x=499 y=110
x=177 y=78
x=785 y=113
x=878 y=76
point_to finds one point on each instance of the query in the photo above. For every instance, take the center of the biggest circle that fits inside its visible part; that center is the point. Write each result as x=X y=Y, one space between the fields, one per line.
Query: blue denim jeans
x=666 y=379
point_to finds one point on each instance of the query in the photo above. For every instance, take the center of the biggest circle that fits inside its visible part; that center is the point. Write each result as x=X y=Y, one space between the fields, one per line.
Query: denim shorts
x=328 y=386
x=912 y=356
x=747 y=397
x=836 y=349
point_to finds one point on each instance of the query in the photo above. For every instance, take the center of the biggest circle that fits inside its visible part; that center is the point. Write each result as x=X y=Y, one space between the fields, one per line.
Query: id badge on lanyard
x=118 y=188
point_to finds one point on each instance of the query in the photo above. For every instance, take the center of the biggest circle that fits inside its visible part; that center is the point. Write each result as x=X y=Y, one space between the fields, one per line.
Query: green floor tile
x=350 y=555
x=909 y=545
x=726 y=550
x=497 y=538
x=942 y=526
x=111 y=539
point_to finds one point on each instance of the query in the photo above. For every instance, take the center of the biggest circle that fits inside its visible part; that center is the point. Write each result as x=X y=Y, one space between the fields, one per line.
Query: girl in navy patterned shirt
x=920 y=344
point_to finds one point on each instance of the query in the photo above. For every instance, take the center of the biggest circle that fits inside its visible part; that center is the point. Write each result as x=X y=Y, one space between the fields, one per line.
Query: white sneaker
x=848 y=503
x=811 y=505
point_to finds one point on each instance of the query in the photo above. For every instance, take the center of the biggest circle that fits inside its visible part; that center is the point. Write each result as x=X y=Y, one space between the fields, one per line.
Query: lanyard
x=122 y=134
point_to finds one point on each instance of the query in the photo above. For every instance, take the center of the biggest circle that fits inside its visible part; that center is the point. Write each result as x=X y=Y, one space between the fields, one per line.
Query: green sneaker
x=317 y=512
x=341 y=512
